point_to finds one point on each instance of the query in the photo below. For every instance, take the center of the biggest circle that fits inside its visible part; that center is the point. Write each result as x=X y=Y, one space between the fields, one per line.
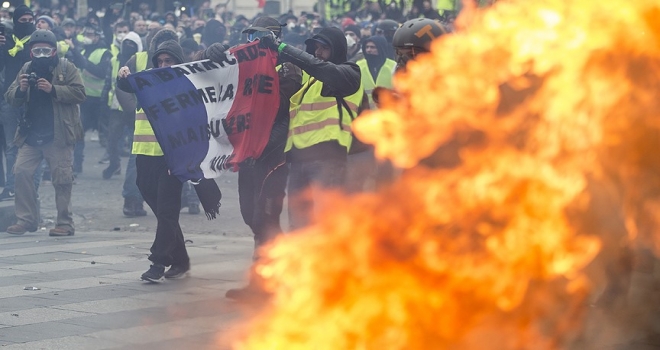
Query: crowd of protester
x=340 y=58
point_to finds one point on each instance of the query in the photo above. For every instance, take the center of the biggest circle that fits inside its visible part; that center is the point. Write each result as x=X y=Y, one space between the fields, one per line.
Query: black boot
x=139 y=209
x=112 y=169
x=129 y=207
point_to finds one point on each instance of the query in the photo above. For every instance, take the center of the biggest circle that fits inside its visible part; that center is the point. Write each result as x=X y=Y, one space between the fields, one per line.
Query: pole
x=321 y=8
x=82 y=8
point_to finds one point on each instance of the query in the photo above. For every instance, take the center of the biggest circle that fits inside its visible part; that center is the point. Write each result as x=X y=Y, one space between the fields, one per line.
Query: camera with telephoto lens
x=32 y=79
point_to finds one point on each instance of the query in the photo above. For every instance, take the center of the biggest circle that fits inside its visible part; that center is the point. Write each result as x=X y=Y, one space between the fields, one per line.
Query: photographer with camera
x=50 y=90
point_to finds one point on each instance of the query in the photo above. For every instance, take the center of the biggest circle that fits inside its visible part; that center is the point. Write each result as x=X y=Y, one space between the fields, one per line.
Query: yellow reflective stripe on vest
x=144 y=139
x=315 y=118
x=384 y=78
x=319 y=106
x=316 y=126
x=93 y=84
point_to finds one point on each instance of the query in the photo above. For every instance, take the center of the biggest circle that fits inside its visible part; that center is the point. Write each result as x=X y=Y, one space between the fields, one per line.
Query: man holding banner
x=159 y=188
x=205 y=117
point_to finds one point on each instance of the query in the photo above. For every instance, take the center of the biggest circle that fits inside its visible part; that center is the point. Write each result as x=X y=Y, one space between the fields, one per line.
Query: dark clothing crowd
x=65 y=76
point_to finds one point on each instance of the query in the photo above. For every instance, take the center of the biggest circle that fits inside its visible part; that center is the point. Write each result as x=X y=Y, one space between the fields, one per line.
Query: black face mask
x=23 y=29
x=128 y=49
x=42 y=66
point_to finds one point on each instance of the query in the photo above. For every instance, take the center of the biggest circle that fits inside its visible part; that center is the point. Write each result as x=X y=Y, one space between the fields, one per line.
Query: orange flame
x=510 y=130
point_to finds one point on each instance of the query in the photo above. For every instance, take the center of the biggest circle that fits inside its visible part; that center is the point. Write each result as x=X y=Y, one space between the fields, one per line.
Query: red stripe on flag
x=256 y=101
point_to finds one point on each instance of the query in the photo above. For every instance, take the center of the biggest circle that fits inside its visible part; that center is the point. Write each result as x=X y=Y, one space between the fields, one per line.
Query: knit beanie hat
x=353 y=28
x=49 y=20
x=20 y=11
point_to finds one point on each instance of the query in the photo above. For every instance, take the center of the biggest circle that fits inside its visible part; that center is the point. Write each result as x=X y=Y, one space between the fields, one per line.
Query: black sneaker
x=154 y=274
x=177 y=271
x=7 y=195
x=248 y=293
x=112 y=169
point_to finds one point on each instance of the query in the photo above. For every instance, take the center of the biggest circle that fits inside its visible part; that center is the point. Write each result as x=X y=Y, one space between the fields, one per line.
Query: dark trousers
x=90 y=113
x=307 y=182
x=162 y=192
x=261 y=191
x=117 y=121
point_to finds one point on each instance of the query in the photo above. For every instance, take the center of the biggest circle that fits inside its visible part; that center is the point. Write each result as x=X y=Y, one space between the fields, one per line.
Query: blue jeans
x=130 y=189
x=307 y=182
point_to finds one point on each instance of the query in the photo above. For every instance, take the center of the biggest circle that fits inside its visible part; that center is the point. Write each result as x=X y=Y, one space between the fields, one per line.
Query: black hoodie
x=375 y=63
x=339 y=78
x=160 y=37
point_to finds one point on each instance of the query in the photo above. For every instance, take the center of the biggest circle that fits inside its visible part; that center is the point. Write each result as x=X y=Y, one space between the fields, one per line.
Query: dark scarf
x=209 y=196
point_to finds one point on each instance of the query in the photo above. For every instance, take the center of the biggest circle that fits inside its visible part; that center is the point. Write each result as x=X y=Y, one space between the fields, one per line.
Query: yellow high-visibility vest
x=114 y=63
x=316 y=118
x=384 y=78
x=144 y=139
x=93 y=84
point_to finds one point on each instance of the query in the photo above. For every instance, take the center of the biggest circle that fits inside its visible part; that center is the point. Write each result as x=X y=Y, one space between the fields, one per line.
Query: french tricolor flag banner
x=210 y=116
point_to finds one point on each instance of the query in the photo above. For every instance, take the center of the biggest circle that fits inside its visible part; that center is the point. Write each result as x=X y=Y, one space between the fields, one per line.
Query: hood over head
x=160 y=37
x=20 y=11
x=332 y=37
x=214 y=32
x=134 y=37
x=172 y=48
x=381 y=45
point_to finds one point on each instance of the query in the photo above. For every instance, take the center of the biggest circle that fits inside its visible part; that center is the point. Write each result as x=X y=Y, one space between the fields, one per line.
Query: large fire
x=528 y=140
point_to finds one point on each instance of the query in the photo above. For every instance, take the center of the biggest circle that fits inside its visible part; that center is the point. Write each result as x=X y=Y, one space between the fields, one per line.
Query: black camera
x=32 y=79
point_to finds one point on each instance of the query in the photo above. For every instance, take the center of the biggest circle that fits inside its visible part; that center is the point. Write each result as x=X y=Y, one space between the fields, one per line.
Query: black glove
x=270 y=41
x=247 y=163
x=216 y=53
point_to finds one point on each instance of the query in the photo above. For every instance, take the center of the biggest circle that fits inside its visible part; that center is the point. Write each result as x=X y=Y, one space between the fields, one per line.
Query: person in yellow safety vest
x=121 y=29
x=14 y=53
x=336 y=8
x=160 y=189
x=94 y=64
x=364 y=171
x=376 y=68
x=133 y=201
x=118 y=117
x=321 y=113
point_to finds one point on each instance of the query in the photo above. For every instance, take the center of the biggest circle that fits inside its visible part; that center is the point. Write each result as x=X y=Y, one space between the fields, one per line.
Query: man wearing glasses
x=13 y=54
x=50 y=90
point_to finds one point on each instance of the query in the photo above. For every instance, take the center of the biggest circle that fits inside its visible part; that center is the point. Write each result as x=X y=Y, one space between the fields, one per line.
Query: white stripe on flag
x=217 y=111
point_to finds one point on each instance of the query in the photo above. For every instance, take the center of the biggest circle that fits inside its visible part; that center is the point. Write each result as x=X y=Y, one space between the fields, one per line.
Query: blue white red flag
x=210 y=116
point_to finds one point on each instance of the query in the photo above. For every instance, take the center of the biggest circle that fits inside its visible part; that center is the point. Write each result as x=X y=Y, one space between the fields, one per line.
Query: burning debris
x=529 y=141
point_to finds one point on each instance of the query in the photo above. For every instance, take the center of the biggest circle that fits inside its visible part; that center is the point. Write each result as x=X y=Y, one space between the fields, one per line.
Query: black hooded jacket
x=100 y=69
x=339 y=78
x=13 y=64
x=162 y=36
x=375 y=63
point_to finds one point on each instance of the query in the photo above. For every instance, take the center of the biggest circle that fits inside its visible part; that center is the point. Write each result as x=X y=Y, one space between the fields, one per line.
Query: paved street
x=87 y=293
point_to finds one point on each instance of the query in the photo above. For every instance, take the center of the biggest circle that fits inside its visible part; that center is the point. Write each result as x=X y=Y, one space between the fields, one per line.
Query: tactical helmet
x=387 y=26
x=43 y=36
x=418 y=33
